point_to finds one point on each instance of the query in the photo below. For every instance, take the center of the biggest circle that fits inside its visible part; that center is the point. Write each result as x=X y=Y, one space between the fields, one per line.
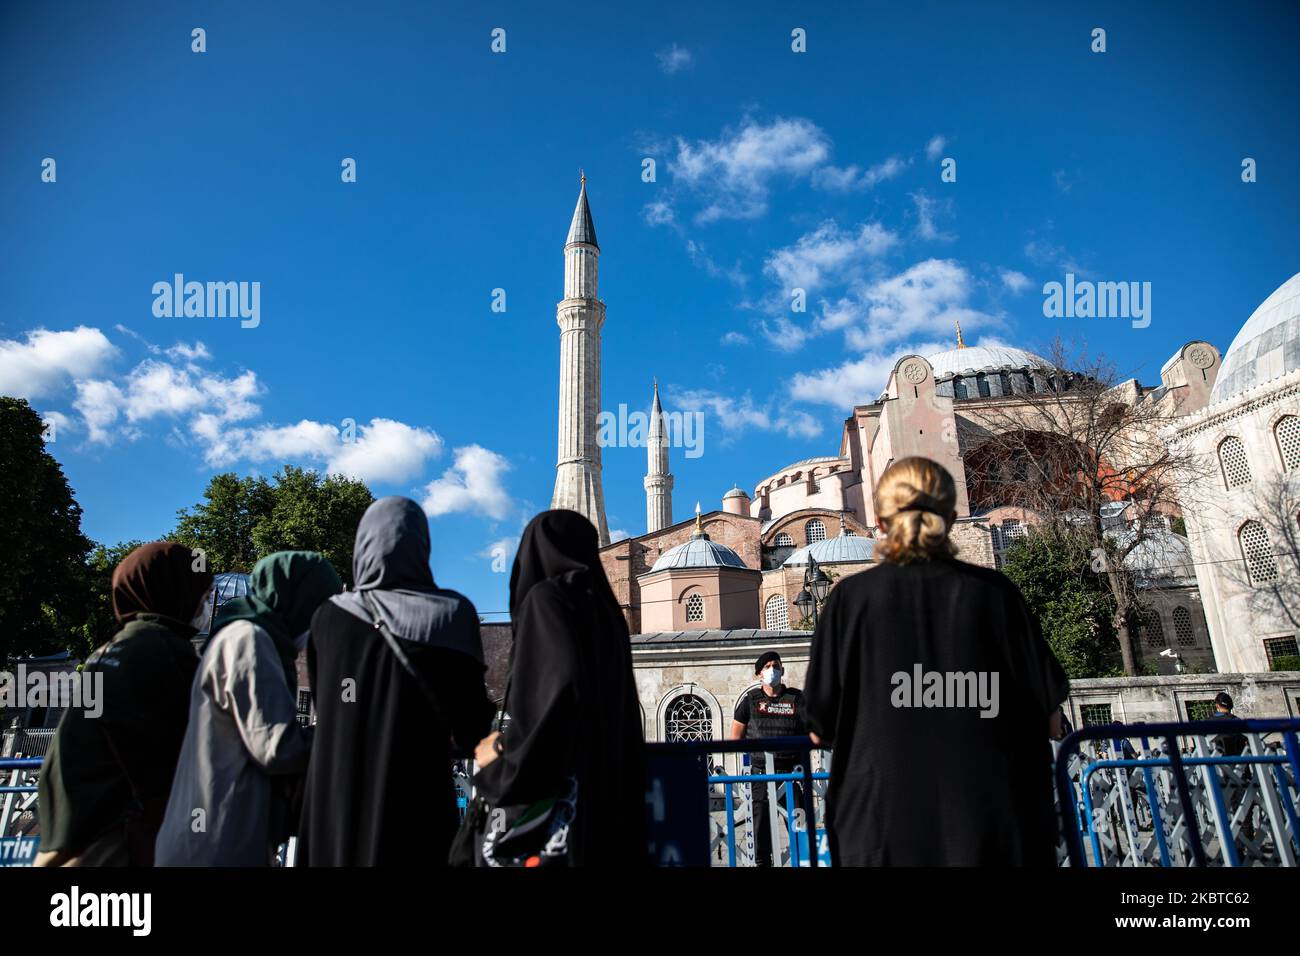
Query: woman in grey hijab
x=396 y=667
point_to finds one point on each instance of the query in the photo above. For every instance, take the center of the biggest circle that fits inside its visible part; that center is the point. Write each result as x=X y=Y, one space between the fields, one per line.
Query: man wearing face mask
x=769 y=710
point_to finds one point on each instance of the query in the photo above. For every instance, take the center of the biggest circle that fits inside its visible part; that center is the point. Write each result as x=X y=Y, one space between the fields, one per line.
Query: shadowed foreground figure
x=245 y=752
x=571 y=700
x=104 y=785
x=921 y=775
x=379 y=785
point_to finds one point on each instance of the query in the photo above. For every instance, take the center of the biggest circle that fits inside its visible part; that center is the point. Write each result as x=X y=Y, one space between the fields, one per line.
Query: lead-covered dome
x=699 y=552
x=1267 y=346
x=983 y=358
x=841 y=549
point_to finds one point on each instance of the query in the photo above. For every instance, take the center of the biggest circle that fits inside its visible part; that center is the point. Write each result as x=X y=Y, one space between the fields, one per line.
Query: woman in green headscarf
x=244 y=745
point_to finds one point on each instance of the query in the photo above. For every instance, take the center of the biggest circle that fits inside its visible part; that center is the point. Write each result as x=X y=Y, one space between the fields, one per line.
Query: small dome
x=1267 y=346
x=699 y=552
x=736 y=492
x=1160 y=559
x=983 y=358
x=838 y=550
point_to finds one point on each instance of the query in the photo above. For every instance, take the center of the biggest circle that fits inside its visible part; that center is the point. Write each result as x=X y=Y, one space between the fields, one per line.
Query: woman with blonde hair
x=932 y=681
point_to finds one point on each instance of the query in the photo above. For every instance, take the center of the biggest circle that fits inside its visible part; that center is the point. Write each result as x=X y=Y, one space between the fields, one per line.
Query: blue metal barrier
x=678 y=758
x=1102 y=795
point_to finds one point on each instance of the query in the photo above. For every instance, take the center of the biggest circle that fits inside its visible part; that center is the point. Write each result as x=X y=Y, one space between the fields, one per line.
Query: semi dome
x=699 y=552
x=1267 y=346
x=840 y=549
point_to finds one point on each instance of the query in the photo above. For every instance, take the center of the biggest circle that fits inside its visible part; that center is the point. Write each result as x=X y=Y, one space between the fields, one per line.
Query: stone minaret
x=658 y=479
x=580 y=316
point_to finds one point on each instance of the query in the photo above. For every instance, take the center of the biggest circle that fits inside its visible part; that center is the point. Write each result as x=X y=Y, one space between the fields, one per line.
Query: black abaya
x=572 y=701
x=934 y=786
x=379 y=787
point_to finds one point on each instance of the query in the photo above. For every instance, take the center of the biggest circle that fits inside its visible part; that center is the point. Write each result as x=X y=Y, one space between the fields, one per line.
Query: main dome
x=699 y=552
x=1267 y=346
x=983 y=358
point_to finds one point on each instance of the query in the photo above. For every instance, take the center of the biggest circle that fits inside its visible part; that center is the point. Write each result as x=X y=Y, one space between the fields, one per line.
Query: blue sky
x=773 y=169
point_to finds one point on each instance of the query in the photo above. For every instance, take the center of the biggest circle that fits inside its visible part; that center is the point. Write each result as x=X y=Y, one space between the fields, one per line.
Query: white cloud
x=472 y=484
x=783 y=334
x=934 y=148
x=99 y=404
x=673 y=59
x=1017 y=282
x=48 y=361
x=826 y=254
x=858 y=381
x=848 y=178
x=618 y=534
x=925 y=299
x=657 y=213
x=189 y=353
x=734 y=172
x=735 y=338
x=925 y=227
x=385 y=451
x=735 y=274
x=734 y=416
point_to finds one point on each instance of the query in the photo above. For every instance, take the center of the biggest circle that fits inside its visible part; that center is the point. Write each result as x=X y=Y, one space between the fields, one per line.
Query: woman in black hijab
x=396 y=667
x=105 y=781
x=571 y=700
x=931 y=680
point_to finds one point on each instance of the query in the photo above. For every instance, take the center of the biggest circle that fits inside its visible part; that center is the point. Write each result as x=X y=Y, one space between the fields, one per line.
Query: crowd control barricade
x=18 y=840
x=1172 y=794
x=701 y=802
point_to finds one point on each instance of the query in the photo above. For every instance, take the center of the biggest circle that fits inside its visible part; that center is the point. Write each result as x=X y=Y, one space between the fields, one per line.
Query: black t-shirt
x=779 y=716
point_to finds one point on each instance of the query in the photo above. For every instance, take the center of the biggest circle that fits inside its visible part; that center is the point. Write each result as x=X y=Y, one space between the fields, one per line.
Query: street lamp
x=816 y=585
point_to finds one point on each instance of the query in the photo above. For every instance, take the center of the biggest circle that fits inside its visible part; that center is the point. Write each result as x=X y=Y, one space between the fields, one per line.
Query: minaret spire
x=658 y=480
x=960 y=343
x=580 y=316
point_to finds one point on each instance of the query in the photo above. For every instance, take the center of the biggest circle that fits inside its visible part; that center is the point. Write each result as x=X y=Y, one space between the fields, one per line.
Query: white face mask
x=772 y=676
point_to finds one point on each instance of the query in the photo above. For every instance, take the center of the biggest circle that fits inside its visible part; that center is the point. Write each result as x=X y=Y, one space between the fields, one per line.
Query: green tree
x=242 y=520
x=1052 y=567
x=42 y=549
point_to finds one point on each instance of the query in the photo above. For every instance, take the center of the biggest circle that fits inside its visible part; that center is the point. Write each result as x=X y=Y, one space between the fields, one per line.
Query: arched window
x=783 y=540
x=1232 y=456
x=687 y=718
x=1257 y=549
x=815 y=531
x=1287 y=433
x=1153 y=631
x=777 y=613
x=847 y=531
x=982 y=384
x=958 y=387
x=695 y=608
x=1183 y=632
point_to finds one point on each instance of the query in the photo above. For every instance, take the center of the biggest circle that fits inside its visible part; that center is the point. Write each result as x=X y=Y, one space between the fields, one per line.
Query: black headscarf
x=558 y=544
x=159 y=578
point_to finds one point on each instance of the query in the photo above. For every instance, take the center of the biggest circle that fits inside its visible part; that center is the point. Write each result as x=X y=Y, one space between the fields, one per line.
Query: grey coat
x=243 y=730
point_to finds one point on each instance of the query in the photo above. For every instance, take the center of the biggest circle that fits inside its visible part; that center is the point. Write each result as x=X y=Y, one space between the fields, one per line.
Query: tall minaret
x=580 y=316
x=658 y=479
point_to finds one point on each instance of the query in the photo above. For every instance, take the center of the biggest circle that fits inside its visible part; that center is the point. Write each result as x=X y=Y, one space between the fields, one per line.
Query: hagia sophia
x=704 y=596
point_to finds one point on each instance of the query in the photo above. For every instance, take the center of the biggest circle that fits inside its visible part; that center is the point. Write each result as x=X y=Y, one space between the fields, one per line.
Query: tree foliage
x=42 y=548
x=243 y=519
x=1052 y=567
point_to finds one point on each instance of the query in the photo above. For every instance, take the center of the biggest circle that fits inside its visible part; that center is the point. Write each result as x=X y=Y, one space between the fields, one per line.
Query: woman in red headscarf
x=109 y=770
